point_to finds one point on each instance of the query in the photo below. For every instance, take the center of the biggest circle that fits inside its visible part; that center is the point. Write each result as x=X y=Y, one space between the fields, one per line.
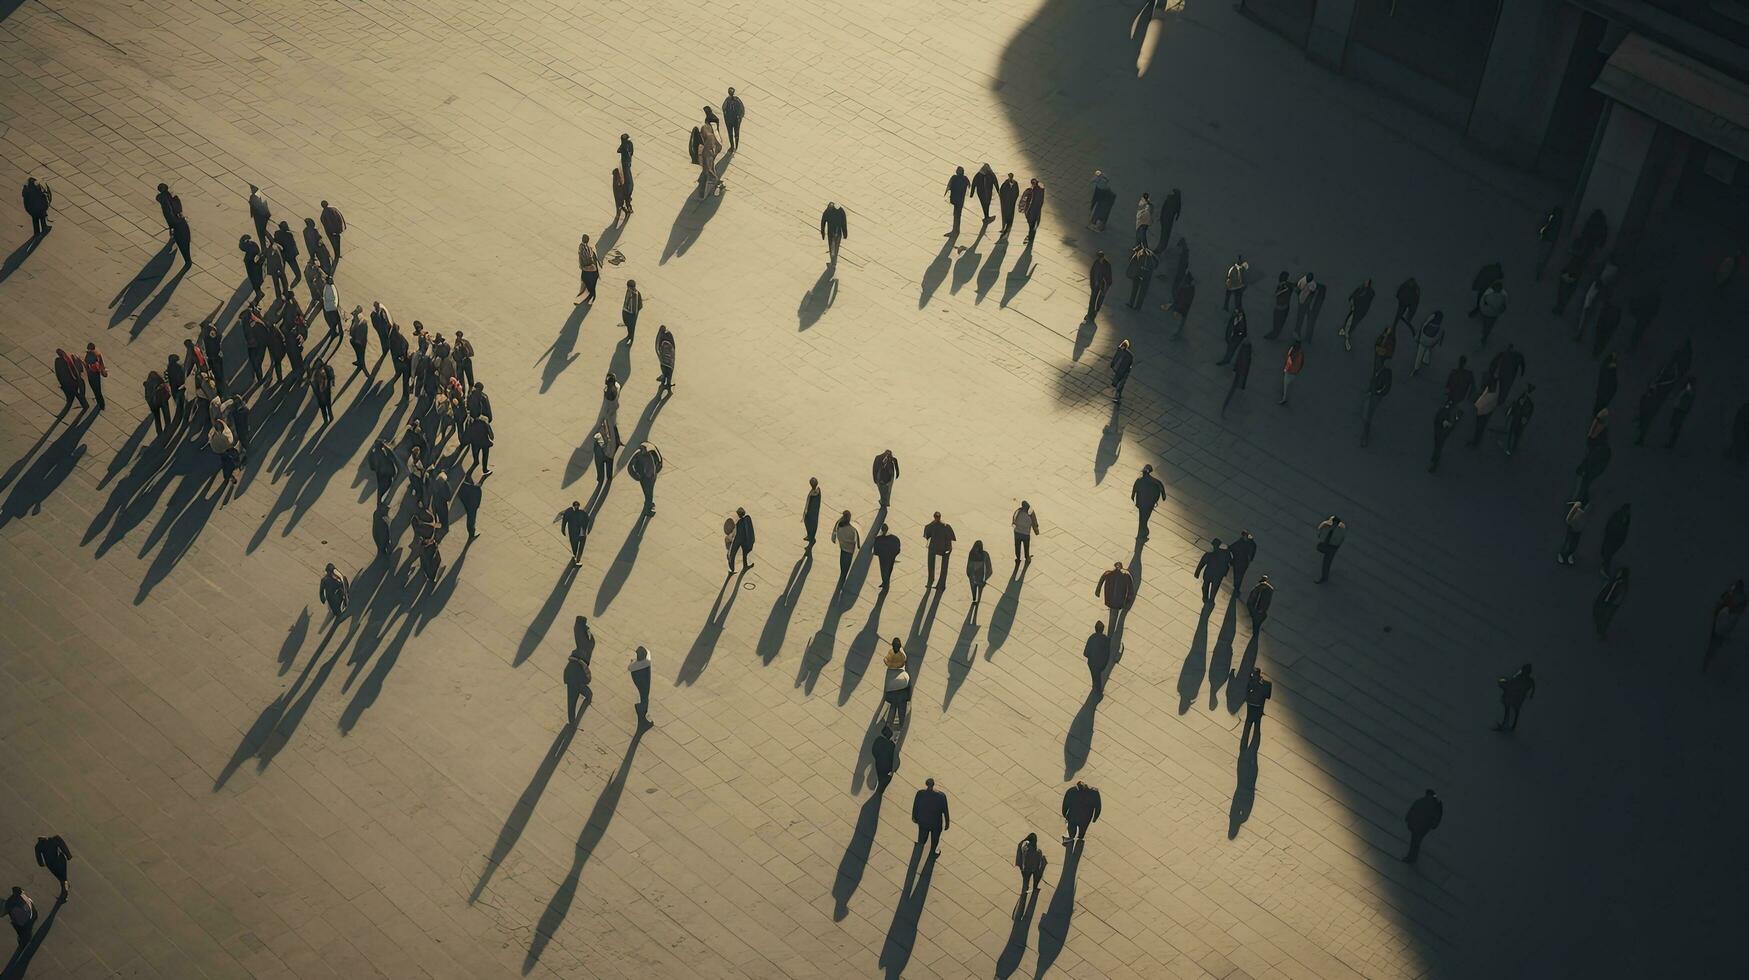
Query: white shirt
x=643 y=664
x=898 y=680
x=330 y=298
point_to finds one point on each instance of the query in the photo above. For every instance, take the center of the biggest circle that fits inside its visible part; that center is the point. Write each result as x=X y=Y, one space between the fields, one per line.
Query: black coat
x=929 y=809
x=886 y=755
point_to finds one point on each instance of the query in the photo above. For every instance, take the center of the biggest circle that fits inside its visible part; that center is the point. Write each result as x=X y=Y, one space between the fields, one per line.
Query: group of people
x=1029 y=202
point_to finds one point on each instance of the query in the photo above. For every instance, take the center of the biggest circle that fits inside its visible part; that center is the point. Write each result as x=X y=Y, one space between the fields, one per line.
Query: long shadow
x=388 y=604
x=961 y=660
x=594 y=829
x=818 y=299
x=156 y=306
x=525 y=804
x=1009 y=959
x=818 y=652
x=966 y=265
x=311 y=470
x=50 y=470
x=694 y=215
x=641 y=431
x=412 y=587
x=1002 y=619
x=186 y=517
x=992 y=269
x=705 y=644
x=135 y=290
x=22 y=252
x=1221 y=659
x=1018 y=277
x=1053 y=927
x=134 y=497
x=850 y=867
x=902 y=933
x=24 y=459
x=20 y=962
x=936 y=273
x=1078 y=743
x=543 y=620
x=559 y=356
x=777 y=621
x=1236 y=691
x=1244 y=790
x=119 y=462
x=294 y=640
x=1084 y=335
x=917 y=639
x=1110 y=444
x=862 y=650
x=621 y=569
x=265 y=737
x=1190 y=677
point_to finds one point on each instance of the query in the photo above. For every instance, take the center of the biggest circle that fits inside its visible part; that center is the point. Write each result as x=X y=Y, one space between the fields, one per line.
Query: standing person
x=1490 y=308
x=441 y=497
x=1031 y=862
x=1169 y=211
x=885 y=752
x=589 y=265
x=834 y=229
x=1081 y=805
x=1182 y=296
x=1678 y=412
x=1144 y=218
x=430 y=552
x=848 y=537
x=1242 y=552
x=334 y=223
x=53 y=854
x=381 y=531
x=578 y=676
x=979 y=569
x=1025 y=522
x=318 y=249
x=157 y=396
x=743 y=541
x=1330 y=536
x=1306 y=291
x=1098 y=283
x=1431 y=335
x=469 y=495
x=640 y=671
x=957 y=186
x=70 y=375
x=1235 y=283
x=287 y=243
x=1376 y=390
x=1608 y=601
x=1423 y=816
x=1359 y=302
x=1445 y=418
x=1122 y=360
x=886 y=547
x=1408 y=300
x=1008 y=195
x=385 y=466
x=1241 y=373
x=1258 y=691
x=1291 y=366
x=1097 y=653
x=382 y=322
x=252 y=264
x=212 y=343
x=645 y=467
x=1212 y=569
x=929 y=813
x=261 y=212
x=622 y=197
x=575 y=522
x=1518 y=416
x=1284 y=297
x=358 y=332
x=37 y=198
x=940 y=536
x=331 y=308
x=335 y=590
x=884 y=471
x=734 y=110
x=1032 y=205
x=183 y=238
x=1513 y=692
x=1257 y=602
x=1237 y=330
x=1140 y=270
x=1119 y=590
x=1146 y=493
x=1615 y=534
x=984 y=188
x=664 y=359
x=1099 y=205
x=479 y=438
x=177 y=379
x=171 y=206
x=628 y=311
x=811 y=511
x=20 y=908
x=1573 y=526
x=1485 y=405
x=400 y=358
x=603 y=451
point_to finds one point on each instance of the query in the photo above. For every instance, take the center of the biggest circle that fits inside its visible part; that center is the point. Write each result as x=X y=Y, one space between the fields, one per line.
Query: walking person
x=886 y=547
x=1490 y=308
x=957 y=186
x=1330 y=537
x=20 y=907
x=640 y=671
x=811 y=511
x=1236 y=332
x=1212 y=569
x=37 y=199
x=70 y=375
x=1100 y=204
x=848 y=537
x=1376 y=390
x=171 y=206
x=1140 y=271
x=1306 y=291
x=1547 y=235
x=183 y=238
x=885 y=752
x=469 y=495
x=252 y=264
x=1423 y=816
x=645 y=466
x=979 y=569
x=1609 y=601
x=1119 y=590
x=575 y=522
x=1097 y=653
x=734 y=110
x=984 y=188
x=334 y=223
x=1485 y=405
x=287 y=243
x=1359 y=303
x=1098 y=284
x=1258 y=691
x=478 y=438
x=1513 y=692
x=177 y=379
x=1291 y=366
x=157 y=397
x=1032 y=205
x=261 y=212
x=929 y=813
x=1235 y=283
x=1615 y=534
x=318 y=249
x=1122 y=360
x=1241 y=374
x=664 y=359
x=1573 y=524
x=602 y=448
x=274 y=263
x=1678 y=411
x=1008 y=195
x=629 y=310
x=589 y=265
x=1081 y=806
x=834 y=229
x=1385 y=346
x=1146 y=493
x=1025 y=522
x=743 y=541
x=320 y=378
x=335 y=590
x=940 y=536
x=1445 y=418
x=52 y=854
x=1518 y=416
x=1506 y=368
x=884 y=471
x=1257 y=602
x=1032 y=863
x=1431 y=335
x=622 y=197
x=1284 y=297
x=896 y=690
x=1144 y=218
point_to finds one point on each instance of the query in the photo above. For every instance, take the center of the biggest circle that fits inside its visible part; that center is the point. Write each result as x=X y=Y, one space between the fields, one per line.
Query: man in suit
x=743 y=541
x=1424 y=815
x=929 y=813
x=1242 y=551
x=1262 y=594
x=1080 y=808
x=1213 y=569
x=834 y=228
x=1147 y=492
x=886 y=758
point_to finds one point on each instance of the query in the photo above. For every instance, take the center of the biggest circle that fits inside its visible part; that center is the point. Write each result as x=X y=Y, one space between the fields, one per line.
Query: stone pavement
x=252 y=790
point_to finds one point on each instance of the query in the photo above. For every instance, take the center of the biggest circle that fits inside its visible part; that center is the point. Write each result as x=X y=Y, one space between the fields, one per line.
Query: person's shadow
x=1018 y=277
x=1002 y=619
x=936 y=273
x=135 y=290
x=902 y=933
x=1053 y=928
x=1009 y=959
x=991 y=270
x=777 y=621
x=20 y=962
x=705 y=645
x=1110 y=444
x=524 y=808
x=621 y=569
x=1221 y=660
x=1235 y=690
x=961 y=659
x=967 y=264
x=20 y=253
x=543 y=620
x=855 y=859
x=1084 y=335
x=818 y=299
x=1244 y=791
x=862 y=650
x=559 y=356
x=1190 y=678
x=1078 y=744
x=695 y=214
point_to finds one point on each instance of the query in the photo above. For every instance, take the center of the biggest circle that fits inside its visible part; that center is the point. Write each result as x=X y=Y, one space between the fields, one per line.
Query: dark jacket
x=576 y=522
x=646 y=463
x=957 y=185
x=929 y=809
x=469 y=495
x=1008 y=192
x=1215 y=564
x=1081 y=804
x=834 y=220
x=1243 y=551
x=733 y=110
x=1098 y=650
x=1360 y=300
x=1262 y=594
x=1118 y=587
x=1425 y=814
x=480 y=432
x=886 y=547
x=287 y=242
x=744 y=531
x=886 y=754
x=940 y=536
x=333 y=222
x=1147 y=491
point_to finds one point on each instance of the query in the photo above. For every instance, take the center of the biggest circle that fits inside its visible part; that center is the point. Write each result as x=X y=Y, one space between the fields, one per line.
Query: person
x=734 y=110
x=1025 y=522
x=940 y=536
x=1235 y=283
x=1309 y=311
x=1118 y=587
x=331 y=308
x=384 y=466
x=1032 y=205
x=171 y=206
x=1518 y=416
x=1727 y=612
x=834 y=229
x=53 y=854
x=848 y=537
x=1212 y=569
x=1097 y=653
x=1258 y=691
x=157 y=397
x=1376 y=390
x=381 y=531
x=1144 y=218
x=1140 y=270
x=1431 y=335
x=1031 y=862
x=811 y=511
x=885 y=752
x=479 y=438
x=1513 y=691
x=334 y=223
x=1098 y=283
x=37 y=198
x=1146 y=492
x=1486 y=404
x=622 y=196
x=287 y=243
x=358 y=332
x=320 y=258
x=645 y=466
x=978 y=570
x=664 y=359
x=886 y=547
x=629 y=310
x=1385 y=346
x=1615 y=534
x=321 y=381
x=1291 y=366
x=274 y=263
x=1490 y=308
x=1081 y=805
x=578 y=677
x=575 y=522
x=1678 y=411
x=743 y=541
x=640 y=671
x=1008 y=194
x=1122 y=360
x=1330 y=536
x=957 y=186
x=21 y=912
x=1506 y=368
x=1183 y=295
x=1306 y=291
x=1573 y=526
x=929 y=813
x=1423 y=816
x=984 y=188
x=1359 y=303
x=1547 y=235
x=335 y=590
x=1257 y=603
x=884 y=471
x=177 y=379
x=469 y=495
x=1459 y=381
x=1241 y=553
x=1608 y=601
x=1237 y=330
x=1408 y=300
x=251 y=264
x=430 y=553
x=896 y=690
x=182 y=237
x=1284 y=295
x=589 y=266
x=1241 y=373
x=70 y=374
x=1445 y=418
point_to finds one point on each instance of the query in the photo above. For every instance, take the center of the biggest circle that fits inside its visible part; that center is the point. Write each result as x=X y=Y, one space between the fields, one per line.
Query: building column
x=1327 y=41
x=1527 y=60
x=1615 y=180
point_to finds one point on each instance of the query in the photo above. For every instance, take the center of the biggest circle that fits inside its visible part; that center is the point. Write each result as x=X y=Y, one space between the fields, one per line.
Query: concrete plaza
x=252 y=790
